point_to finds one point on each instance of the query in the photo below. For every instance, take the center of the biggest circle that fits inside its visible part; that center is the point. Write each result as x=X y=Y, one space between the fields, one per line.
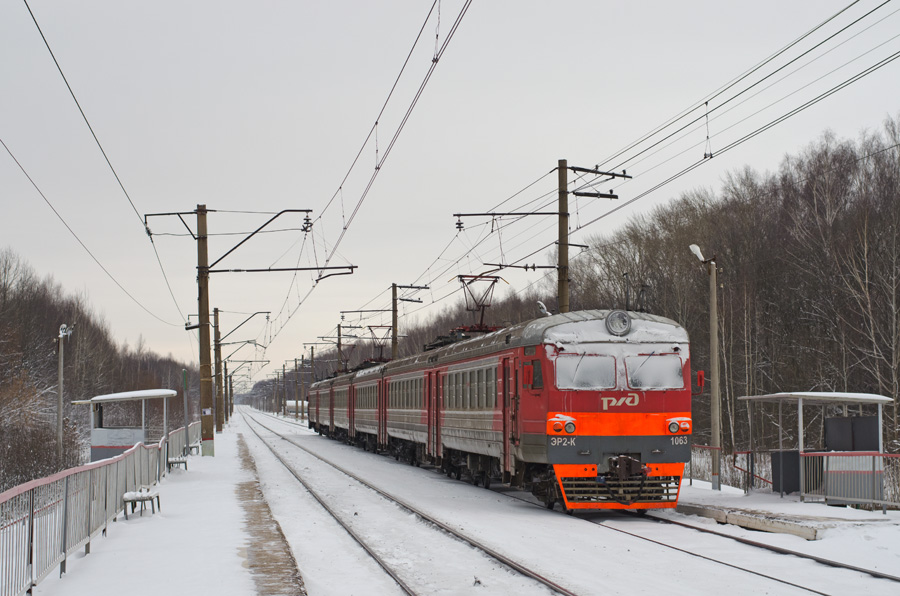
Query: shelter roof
x=128 y=396
x=820 y=398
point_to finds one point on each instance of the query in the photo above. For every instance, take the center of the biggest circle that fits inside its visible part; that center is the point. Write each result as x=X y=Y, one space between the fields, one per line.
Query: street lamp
x=715 y=400
x=64 y=333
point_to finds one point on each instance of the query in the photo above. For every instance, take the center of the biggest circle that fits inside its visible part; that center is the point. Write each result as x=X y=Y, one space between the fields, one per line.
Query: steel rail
x=387 y=569
x=424 y=516
x=706 y=558
x=780 y=550
x=747 y=541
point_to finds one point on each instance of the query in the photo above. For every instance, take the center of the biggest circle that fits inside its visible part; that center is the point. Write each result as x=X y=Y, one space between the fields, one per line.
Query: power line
x=74 y=235
x=330 y=253
x=740 y=78
x=108 y=163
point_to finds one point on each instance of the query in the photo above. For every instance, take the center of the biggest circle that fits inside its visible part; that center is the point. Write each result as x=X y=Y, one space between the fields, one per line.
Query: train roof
x=572 y=328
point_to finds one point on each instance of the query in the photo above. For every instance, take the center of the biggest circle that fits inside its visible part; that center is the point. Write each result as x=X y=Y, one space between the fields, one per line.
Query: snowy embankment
x=581 y=555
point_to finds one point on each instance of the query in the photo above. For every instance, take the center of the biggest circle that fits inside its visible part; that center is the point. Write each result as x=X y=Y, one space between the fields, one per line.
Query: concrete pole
x=394 y=332
x=302 y=393
x=207 y=422
x=220 y=390
x=184 y=392
x=340 y=352
x=563 y=262
x=226 y=392
x=59 y=394
x=715 y=397
x=296 y=392
x=283 y=390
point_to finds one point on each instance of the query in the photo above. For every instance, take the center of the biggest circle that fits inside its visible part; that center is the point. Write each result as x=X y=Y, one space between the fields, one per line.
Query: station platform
x=770 y=512
x=198 y=543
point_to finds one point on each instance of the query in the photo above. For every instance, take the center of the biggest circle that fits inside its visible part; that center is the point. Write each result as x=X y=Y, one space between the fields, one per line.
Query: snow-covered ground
x=197 y=544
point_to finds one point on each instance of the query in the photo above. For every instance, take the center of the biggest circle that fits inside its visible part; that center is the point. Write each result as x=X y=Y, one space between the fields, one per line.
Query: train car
x=590 y=409
x=321 y=407
x=367 y=391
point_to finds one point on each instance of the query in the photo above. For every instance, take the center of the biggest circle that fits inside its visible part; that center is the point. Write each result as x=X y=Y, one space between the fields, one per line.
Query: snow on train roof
x=590 y=327
x=572 y=328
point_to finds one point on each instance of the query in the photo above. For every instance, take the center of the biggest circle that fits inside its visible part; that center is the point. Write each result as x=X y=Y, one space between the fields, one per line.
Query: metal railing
x=44 y=521
x=852 y=478
x=741 y=469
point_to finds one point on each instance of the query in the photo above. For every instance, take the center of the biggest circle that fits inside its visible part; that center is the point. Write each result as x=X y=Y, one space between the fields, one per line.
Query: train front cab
x=619 y=415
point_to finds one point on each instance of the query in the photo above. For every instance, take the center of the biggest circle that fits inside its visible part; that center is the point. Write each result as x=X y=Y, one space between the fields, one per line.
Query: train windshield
x=655 y=371
x=585 y=372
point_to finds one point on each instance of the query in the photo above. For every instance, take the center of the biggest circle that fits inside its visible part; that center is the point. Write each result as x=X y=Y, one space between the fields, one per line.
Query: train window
x=537 y=381
x=464 y=390
x=480 y=392
x=467 y=391
x=451 y=404
x=492 y=388
x=585 y=372
x=655 y=371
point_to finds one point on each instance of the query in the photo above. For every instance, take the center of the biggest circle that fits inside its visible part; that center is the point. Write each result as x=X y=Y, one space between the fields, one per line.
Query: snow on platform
x=193 y=546
x=770 y=512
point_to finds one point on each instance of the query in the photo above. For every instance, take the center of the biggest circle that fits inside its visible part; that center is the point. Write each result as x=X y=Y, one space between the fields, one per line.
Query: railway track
x=687 y=551
x=392 y=569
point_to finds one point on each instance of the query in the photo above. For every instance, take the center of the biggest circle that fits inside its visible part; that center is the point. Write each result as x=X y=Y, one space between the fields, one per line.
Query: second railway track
x=442 y=541
x=805 y=576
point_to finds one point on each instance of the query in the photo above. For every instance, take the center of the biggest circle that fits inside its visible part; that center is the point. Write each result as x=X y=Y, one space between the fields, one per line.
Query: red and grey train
x=591 y=408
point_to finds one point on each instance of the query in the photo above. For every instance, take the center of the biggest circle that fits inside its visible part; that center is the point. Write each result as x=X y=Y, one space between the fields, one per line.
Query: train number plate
x=562 y=441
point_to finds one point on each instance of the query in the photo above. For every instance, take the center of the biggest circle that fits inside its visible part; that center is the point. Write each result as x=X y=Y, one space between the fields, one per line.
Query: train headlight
x=570 y=427
x=557 y=427
x=618 y=323
x=673 y=427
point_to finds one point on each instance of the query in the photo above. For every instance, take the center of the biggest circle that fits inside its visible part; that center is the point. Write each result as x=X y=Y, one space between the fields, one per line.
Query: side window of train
x=537 y=375
x=492 y=388
x=481 y=388
x=467 y=389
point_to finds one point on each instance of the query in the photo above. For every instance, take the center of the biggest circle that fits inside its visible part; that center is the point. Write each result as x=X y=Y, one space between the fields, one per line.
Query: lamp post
x=64 y=332
x=715 y=400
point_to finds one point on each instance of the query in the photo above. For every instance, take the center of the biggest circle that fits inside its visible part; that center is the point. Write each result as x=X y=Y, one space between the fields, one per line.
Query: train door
x=432 y=392
x=514 y=399
x=316 y=396
x=507 y=418
x=382 y=412
x=331 y=410
x=351 y=411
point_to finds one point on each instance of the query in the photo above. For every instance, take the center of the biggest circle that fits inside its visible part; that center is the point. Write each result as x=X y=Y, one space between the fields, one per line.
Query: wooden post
x=207 y=423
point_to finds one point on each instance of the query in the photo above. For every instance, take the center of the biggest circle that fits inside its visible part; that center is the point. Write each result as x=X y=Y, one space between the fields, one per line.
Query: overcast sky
x=256 y=107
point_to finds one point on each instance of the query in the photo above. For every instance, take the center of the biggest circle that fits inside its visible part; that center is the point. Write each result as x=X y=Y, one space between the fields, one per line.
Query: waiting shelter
x=109 y=441
x=849 y=467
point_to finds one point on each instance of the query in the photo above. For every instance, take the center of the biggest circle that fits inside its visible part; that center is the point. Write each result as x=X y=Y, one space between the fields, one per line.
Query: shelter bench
x=141 y=496
x=176 y=461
